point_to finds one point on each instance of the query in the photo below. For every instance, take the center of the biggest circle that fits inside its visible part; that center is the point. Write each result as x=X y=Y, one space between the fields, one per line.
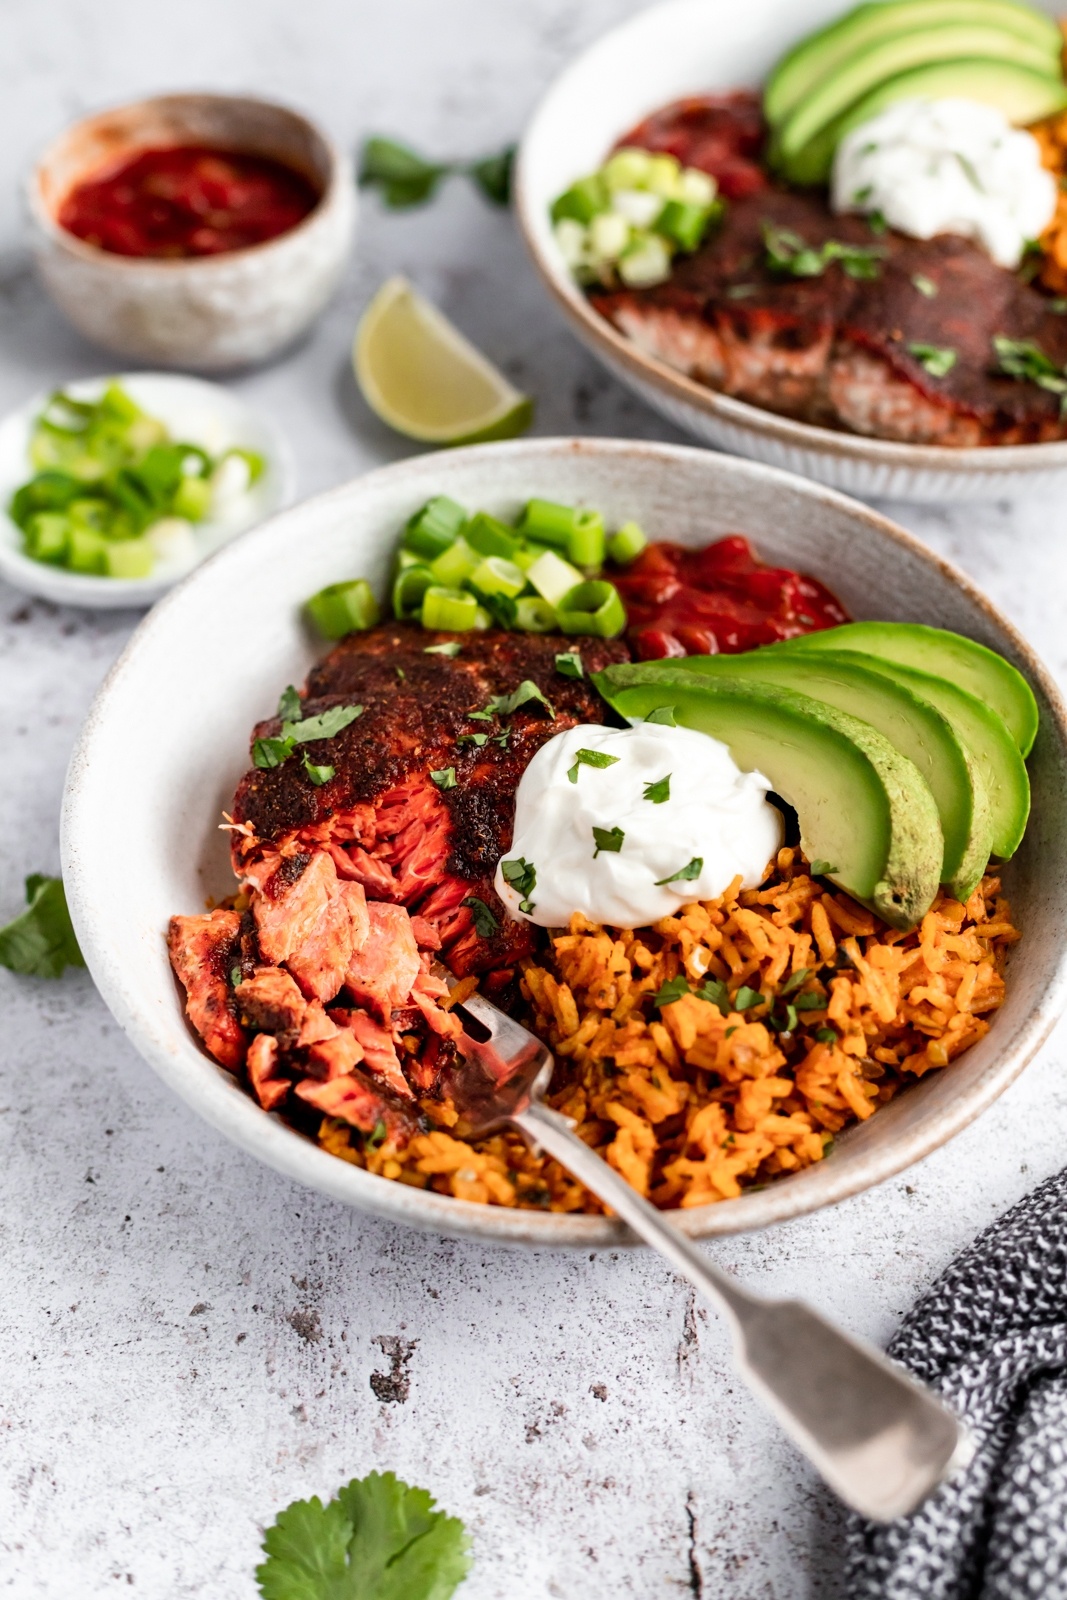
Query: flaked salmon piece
x=336 y=1056
x=381 y=973
x=375 y=876
x=426 y=935
x=316 y=1026
x=355 y=1100
x=269 y=1086
x=271 y=1002
x=427 y=993
x=202 y=951
x=379 y=1049
x=309 y=920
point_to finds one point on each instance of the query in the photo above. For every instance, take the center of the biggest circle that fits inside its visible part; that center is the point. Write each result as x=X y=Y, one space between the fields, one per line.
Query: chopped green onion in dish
x=628 y=220
x=540 y=571
x=112 y=493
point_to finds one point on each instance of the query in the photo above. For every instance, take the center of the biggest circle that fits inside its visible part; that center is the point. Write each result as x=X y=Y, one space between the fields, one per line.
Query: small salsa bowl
x=155 y=803
x=205 y=313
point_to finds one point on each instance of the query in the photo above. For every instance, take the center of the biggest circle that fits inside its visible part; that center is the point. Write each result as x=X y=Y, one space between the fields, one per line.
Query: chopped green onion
x=450 y=648
x=497 y=575
x=341 y=608
x=926 y=286
x=587 y=544
x=610 y=840
x=48 y=536
x=490 y=537
x=592 y=607
x=454 y=565
x=439 y=523
x=582 y=200
x=569 y=664
x=449 y=610
x=444 y=777
x=626 y=543
x=568 y=528
x=128 y=558
x=527 y=553
x=192 y=499
x=627 y=168
x=553 y=577
x=534 y=615
x=408 y=589
x=685 y=222
x=87 y=551
x=646 y=262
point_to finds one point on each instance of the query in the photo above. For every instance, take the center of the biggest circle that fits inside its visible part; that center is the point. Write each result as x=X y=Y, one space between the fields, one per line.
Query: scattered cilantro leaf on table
x=40 y=942
x=378 y=1539
x=407 y=179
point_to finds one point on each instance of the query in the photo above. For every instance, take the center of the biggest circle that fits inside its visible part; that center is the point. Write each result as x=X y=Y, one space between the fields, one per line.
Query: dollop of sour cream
x=667 y=803
x=947 y=166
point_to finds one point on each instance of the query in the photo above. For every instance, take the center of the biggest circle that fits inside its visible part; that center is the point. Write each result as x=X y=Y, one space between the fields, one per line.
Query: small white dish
x=154 y=803
x=692 y=47
x=196 y=412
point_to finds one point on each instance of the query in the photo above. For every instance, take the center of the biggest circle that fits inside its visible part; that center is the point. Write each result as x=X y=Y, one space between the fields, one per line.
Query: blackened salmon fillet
x=852 y=352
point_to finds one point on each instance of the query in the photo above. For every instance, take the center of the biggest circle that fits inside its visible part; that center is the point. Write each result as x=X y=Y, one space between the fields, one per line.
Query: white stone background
x=187 y=1340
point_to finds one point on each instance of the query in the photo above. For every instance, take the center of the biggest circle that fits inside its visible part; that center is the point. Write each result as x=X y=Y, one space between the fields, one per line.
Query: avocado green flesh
x=819 y=55
x=903 y=53
x=912 y=725
x=863 y=807
x=1023 y=97
x=947 y=655
x=992 y=748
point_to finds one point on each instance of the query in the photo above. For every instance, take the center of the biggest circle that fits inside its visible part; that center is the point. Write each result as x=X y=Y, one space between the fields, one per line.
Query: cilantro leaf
x=810 y=1001
x=40 y=941
x=607 y=839
x=493 y=175
x=746 y=997
x=783 y=1018
x=372 y=1140
x=379 y=1539
x=796 y=980
x=686 y=874
x=664 y=715
x=268 y=753
x=290 y=706
x=826 y=1035
x=476 y=739
x=659 y=791
x=522 y=876
x=485 y=924
x=318 y=775
x=820 y=868
x=502 y=705
x=325 y=726
x=403 y=177
x=590 y=758
x=936 y=359
x=569 y=664
x=716 y=993
x=787 y=252
x=444 y=777
x=1025 y=360
x=672 y=990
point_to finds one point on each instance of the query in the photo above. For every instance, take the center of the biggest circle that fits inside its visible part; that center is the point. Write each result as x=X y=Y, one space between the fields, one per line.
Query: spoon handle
x=879 y=1438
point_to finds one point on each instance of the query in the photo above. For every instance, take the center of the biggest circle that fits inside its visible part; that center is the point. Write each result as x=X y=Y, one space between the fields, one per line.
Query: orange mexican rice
x=823 y=1014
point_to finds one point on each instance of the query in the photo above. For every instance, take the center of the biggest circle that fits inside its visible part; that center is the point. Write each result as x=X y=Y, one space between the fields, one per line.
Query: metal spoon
x=879 y=1438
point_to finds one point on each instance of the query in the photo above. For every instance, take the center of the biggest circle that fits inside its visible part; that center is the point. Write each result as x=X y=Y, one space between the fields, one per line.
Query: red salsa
x=187 y=201
x=720 y=599
x=722 y=134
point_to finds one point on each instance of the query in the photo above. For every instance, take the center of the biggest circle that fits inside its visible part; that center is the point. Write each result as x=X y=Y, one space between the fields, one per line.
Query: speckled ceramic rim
x=201 y=265
x=621 y=352
x=217 y=1098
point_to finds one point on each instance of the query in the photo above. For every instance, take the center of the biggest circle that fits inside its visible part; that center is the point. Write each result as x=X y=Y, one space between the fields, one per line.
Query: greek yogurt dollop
x=666 y=801
x=947 y=166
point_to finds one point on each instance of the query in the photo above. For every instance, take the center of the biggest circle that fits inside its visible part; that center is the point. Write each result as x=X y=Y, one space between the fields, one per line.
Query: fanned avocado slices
x=947 y=655
x=912 y=725
x=866 y=813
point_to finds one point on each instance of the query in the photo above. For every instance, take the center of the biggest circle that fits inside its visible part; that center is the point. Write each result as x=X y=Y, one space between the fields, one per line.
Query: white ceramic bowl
x=153 y=802
x=196 y=412
x=206 y=313
x=697 y=47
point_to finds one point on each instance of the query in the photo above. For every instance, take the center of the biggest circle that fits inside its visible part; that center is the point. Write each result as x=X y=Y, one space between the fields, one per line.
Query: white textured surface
x=188 y=1341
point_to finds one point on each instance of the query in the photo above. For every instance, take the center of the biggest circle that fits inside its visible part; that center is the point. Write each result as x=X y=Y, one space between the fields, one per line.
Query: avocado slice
x=912 y=725
x=1024 y=96
x=947 y=655
x=984 y=733
x=821 y=54
x=871 y=69
x=864 y=809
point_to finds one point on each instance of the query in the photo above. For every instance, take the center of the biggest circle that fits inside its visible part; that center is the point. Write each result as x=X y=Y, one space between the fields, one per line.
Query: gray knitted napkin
x=991 y=1337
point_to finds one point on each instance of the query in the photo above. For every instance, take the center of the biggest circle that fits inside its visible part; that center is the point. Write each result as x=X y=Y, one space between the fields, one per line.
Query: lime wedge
x=425 y=379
